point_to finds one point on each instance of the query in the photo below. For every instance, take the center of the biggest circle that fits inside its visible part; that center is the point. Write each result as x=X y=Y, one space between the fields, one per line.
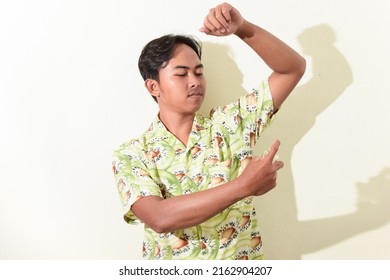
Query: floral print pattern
x=218 y=149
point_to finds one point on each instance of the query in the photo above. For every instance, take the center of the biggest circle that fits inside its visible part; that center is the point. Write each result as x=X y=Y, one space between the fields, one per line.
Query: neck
x=178 y=124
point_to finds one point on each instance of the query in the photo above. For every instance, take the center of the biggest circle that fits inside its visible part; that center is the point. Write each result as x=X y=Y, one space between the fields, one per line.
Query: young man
x=191 y=179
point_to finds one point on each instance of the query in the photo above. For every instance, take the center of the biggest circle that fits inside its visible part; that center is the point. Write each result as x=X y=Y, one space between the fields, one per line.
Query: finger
x=226 y=9
x=210 y=25
x=273 y=150
x=217 y=19
x=211 y=30
x=222 y=14
x=205 y=30
x=278 y=165
x=216 y=25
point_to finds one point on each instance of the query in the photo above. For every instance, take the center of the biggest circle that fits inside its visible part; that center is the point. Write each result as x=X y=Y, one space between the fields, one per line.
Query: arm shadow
x=286 y=237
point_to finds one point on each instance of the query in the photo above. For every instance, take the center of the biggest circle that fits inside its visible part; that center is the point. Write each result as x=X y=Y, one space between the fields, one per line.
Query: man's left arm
x=287 y=65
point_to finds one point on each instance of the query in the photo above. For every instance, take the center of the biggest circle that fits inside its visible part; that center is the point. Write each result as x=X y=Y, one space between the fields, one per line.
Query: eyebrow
x=186 y=67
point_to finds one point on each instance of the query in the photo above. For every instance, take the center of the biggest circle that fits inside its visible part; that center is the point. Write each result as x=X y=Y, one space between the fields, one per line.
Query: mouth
x=195 y=94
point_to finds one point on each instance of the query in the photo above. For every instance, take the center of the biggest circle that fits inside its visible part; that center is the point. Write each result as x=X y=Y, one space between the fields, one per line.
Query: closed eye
x=185 y=74
x=181 y=75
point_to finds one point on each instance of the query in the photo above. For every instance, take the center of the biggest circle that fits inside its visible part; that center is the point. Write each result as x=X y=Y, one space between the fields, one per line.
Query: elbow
x=159 y=229
x=154 y=215
x=302 y=66
x=160 y=225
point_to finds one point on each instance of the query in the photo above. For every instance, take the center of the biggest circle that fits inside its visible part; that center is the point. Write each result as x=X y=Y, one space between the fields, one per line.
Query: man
x=191 y=179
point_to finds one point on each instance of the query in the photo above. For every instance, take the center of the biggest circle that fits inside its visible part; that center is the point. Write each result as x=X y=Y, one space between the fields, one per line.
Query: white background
x=70 y=93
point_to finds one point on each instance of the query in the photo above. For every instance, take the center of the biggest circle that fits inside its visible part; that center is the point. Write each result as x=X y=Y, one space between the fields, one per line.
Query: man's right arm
x=167 y=215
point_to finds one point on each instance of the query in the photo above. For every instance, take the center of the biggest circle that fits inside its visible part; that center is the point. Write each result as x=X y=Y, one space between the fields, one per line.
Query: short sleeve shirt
x=218 y=149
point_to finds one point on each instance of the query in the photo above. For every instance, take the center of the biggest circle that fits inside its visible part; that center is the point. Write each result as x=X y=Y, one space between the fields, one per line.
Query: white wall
x=70 y=93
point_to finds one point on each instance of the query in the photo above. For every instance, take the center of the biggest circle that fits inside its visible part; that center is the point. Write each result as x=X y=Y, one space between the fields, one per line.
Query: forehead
x=185 y=56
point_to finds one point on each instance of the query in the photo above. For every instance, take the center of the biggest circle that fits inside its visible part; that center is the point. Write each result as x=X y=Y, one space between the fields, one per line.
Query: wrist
x=242 y=187
x=245 y=30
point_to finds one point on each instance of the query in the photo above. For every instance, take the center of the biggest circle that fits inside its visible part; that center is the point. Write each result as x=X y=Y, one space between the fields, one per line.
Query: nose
x=194 y=81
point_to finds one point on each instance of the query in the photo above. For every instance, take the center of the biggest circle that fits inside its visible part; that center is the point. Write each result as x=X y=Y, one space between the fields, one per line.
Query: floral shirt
x=218 y=149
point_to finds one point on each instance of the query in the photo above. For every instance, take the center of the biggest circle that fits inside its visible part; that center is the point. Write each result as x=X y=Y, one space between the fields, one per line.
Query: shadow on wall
x=285 y=236
x=223 y=77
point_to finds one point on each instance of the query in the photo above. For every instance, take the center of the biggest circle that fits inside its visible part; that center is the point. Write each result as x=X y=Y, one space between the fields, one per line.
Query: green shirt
x=218 y=149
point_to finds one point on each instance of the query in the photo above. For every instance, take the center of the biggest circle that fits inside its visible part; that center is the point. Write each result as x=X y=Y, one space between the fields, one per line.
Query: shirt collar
x=158 y=132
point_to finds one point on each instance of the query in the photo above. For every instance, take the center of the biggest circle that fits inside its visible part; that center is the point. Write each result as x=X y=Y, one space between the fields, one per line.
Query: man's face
x=182 y=84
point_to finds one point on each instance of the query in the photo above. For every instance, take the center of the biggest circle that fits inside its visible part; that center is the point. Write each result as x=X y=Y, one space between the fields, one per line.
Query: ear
x=153 y=87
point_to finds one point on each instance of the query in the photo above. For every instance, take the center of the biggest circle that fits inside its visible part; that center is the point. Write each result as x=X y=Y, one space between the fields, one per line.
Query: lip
x=196 y=94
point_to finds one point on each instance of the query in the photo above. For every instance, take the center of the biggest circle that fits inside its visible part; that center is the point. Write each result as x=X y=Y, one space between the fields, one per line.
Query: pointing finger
x=273 y=150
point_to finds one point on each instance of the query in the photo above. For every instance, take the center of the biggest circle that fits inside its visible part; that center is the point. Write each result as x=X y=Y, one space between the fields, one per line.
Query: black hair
x=156 y=54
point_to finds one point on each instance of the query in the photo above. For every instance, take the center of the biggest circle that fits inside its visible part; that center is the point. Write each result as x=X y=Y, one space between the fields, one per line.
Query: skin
x=180 y=93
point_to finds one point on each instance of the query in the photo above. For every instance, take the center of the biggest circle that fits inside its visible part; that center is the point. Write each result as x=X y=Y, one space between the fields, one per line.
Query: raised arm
x=287 y=65
x=259 y=176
